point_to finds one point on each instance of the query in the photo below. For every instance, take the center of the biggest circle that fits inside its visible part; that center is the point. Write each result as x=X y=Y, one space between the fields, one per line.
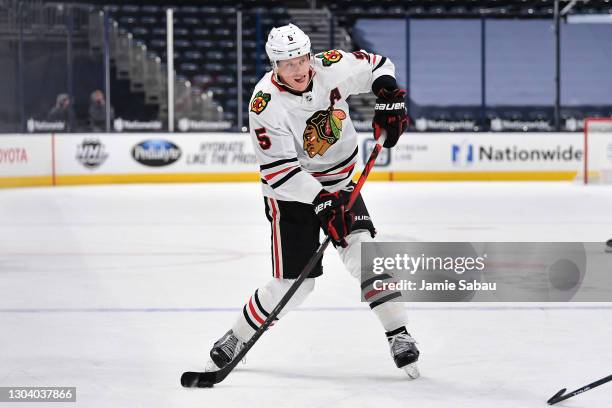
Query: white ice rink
x=118 y=289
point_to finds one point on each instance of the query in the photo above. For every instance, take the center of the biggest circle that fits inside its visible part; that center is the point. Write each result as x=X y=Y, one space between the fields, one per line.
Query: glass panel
x=48 y=103
x=586 y=64
x=445 y=61
x=9 y=82
x=520 y=63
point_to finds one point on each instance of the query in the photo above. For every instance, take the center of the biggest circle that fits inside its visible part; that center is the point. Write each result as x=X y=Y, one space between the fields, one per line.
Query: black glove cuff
x=384 y=82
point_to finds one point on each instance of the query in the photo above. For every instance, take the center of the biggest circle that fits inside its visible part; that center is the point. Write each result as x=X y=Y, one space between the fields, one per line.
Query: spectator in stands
x=62 y=112
x=97 y=111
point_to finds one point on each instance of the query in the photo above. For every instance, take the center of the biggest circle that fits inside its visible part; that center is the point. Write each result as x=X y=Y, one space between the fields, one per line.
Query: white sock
x=264 y=300
x=391 y=314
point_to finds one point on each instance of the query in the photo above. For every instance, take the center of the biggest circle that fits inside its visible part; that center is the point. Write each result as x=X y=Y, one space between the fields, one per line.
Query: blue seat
x=215 y=55
x=210 y=10
x=204 y=44
x=151 y=9
x=226 y=44
x=214 y=67
x=222 y=32
x=182 y=44
x=189 y=67
x=149 y=20
x=217 y=91
x=226 y=80
x=157 y=43
x=212 y=21
x=130 y=9
x=231 y=104
x=202 y=80
x=193 y=55
x=232 y=92
x=140 y=32
x=191 y=21
x=188 y=10
x=158 y=31
x=227 y=10
x=181 y=32
x=127 y=21
x=200 y=32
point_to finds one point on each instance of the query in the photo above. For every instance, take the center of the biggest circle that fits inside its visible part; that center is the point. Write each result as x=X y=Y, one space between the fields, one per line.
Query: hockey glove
x=335 y=220
x=390 y=115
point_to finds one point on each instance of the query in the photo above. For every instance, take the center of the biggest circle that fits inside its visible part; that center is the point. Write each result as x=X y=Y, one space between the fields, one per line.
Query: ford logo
x=156 y=153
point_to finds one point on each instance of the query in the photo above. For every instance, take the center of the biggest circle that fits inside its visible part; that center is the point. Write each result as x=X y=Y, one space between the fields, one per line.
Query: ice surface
x=118 y=289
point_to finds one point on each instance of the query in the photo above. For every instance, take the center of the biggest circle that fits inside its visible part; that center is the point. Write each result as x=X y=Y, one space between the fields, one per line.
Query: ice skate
x=404 y=351
x=224 y=350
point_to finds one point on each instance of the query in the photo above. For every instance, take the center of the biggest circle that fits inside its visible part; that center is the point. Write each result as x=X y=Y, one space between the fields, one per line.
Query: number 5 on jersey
x=264 y=140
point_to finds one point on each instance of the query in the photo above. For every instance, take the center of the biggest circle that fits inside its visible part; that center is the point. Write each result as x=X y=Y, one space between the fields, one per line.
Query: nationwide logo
x=466 y=154
x=156 y=153
x=463 y=154
x=186 y=124
x=34 y=125
x=122 y=124
x=498 y=125
x=422 y=124
x=91 y=153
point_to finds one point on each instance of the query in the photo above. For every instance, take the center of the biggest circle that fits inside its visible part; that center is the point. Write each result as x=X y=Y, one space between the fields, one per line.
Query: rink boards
x=68 y=159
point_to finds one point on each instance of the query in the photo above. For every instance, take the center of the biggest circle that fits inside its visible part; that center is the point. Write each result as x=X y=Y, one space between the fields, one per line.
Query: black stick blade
x=555 y=397
x=192 y=379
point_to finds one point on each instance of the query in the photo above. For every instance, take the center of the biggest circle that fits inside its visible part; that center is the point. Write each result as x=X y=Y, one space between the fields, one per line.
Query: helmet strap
x=277 y=78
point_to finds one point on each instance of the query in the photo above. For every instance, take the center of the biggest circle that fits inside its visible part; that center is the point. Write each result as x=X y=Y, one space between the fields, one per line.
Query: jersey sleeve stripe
x=277 y=163
x=380 y=64
x=286 y=178
x=276 y=173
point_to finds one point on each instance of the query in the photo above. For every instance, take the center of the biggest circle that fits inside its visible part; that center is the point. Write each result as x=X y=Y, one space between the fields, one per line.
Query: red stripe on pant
x=275 y=243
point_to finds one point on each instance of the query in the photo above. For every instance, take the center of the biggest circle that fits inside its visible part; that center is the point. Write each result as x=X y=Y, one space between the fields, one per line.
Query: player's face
x=295 y=72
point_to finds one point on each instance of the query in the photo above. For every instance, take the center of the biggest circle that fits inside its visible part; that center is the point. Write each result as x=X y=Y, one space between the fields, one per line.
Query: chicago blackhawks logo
x=259 y=102
x=329 y=57
x=323 y=129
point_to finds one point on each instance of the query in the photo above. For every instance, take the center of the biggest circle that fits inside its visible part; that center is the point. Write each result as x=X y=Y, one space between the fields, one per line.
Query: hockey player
x=307 y=149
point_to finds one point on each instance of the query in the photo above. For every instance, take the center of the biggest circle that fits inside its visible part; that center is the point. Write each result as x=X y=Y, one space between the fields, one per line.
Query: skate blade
x=412 y=371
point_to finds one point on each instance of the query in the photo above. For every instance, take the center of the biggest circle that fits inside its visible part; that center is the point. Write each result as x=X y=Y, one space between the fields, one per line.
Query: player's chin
x=300 y=86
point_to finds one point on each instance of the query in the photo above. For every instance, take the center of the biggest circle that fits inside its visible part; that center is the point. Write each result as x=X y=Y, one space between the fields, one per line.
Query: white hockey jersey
x=306 y=141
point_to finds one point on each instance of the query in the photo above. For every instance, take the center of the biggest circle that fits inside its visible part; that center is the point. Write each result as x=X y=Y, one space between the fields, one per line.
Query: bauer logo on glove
x=390 y=115
x=390 y=106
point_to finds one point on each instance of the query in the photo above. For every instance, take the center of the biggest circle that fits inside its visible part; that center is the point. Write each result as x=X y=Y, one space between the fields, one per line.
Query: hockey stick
x=560 y=397
x=207 y=379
